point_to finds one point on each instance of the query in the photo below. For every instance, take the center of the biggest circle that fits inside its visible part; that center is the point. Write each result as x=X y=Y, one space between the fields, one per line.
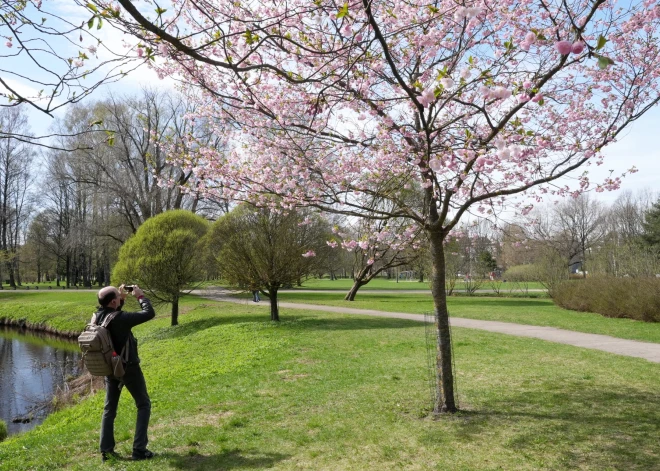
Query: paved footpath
x=631 y=348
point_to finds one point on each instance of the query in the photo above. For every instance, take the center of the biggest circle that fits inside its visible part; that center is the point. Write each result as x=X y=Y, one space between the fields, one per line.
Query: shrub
x=632 y=298
x=522 y=273
x=3 y=430
x=163 y=257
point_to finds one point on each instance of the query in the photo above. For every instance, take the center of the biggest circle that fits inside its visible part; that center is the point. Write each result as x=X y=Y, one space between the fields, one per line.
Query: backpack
x=98 y=354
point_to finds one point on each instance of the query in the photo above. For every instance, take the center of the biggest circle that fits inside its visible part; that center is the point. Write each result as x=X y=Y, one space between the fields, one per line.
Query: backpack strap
x=109 y=318
x=105 y=323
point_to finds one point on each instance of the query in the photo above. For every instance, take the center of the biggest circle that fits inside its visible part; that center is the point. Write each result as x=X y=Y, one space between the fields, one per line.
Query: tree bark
x=444 y=401
x=350 y=296
x=175 y=311
x=274 y=310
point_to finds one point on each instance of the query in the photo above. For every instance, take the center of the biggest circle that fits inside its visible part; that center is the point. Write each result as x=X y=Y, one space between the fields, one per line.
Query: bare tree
x=54 y=57
x=15 y=180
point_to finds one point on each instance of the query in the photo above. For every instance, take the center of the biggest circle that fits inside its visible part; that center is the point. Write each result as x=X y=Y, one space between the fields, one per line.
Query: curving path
x=632 y=348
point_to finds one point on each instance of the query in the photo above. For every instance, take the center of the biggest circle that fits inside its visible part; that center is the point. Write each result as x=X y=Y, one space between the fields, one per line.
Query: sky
x=639 y=146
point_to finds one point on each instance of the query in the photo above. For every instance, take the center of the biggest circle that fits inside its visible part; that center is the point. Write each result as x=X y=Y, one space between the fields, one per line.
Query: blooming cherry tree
x=376 y=245
x=472 y=101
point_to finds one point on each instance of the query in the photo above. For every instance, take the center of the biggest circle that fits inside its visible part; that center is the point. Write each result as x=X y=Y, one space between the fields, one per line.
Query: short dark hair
x=105 y=300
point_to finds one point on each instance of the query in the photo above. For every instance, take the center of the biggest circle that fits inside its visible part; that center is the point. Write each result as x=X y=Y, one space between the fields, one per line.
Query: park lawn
x=344 y=284
x=232 y=390
x=65 y=311
x=541 y=312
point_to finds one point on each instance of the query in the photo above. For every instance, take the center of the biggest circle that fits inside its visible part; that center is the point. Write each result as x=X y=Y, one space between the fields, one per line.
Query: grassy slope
x=230 y=390
x=522 y=311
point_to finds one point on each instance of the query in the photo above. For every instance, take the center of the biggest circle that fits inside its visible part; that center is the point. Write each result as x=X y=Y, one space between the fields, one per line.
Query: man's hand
x=137 y=292
x=122 y=292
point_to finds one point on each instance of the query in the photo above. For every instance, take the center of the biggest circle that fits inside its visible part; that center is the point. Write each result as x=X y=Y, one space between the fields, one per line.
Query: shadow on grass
x=228 y=459
x=295 y=322
x=586 y=426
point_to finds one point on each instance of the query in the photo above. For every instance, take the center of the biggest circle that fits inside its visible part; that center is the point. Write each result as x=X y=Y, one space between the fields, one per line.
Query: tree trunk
x=175 y=311
x=444 y=401
x=350 y=296
x=274 y=310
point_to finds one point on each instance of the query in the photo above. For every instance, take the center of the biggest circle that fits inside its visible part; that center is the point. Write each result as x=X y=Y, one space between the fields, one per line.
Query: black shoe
x=146 y=455
x=109 y=455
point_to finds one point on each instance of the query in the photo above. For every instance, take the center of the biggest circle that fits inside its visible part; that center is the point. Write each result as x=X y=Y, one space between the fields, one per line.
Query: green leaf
x=601 y=42
x=541 y=101
x=99 y=23
x=343 y=11
x=96 y=123
x=92 y=7
x=433 y=9
x=160 y=10
x=604 y=62
x=90 y=23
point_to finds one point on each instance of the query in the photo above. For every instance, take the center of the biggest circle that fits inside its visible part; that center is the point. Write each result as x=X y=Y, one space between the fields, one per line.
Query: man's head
x=109 y=297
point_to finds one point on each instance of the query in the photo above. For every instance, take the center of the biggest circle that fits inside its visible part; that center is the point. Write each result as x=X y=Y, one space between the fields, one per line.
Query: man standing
x=110 y=300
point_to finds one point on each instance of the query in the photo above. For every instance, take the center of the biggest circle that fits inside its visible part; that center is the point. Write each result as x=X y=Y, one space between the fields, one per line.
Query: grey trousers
x=134 y=382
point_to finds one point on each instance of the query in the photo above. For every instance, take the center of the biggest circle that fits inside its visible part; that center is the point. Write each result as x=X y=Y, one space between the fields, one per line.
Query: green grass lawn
x=345 y=284
x=522 y=311
x=231 y=390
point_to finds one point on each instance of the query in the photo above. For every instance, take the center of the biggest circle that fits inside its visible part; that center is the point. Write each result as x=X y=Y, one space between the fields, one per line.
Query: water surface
x=32 y=368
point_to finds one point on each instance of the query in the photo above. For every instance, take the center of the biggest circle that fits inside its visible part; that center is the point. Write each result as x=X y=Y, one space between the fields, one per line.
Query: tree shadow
x=226 y=460
x=294 y=322
x=586 y=425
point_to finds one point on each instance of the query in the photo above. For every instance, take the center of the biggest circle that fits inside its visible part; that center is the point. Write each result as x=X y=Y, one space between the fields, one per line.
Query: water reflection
x=32 y=368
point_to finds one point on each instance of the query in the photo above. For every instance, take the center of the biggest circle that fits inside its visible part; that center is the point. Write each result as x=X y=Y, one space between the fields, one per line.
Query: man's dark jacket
x=120 y=327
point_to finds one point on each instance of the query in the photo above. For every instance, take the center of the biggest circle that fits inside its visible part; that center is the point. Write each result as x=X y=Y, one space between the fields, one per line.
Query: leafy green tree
x=163 y=257
x=265 y=249
x=486 y=263
x=651 y=225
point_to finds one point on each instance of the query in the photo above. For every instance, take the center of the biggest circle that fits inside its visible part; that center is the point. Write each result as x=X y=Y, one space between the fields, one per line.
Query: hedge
x=632 y=298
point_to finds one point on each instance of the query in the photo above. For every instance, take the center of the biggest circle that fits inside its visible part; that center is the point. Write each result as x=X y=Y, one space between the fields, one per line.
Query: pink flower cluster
x=565 y=47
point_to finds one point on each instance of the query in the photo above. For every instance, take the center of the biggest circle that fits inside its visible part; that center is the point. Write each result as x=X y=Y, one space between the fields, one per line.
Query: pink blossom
x=370 y=261
x=140 y=52
x=309 y=253
x=447 y=82
x=577 y=47
x=527 y=84
x=358 y=37
x=530 y=38
x=92 y=49
x=332 y=244
x=426 y=98
x=436 y=165
x=525 y=46
x=78 y=63
x=347 y=30
x=538 y=97
x=563 y=47
x=363 y=244
x=162 y=48
x=8 y=44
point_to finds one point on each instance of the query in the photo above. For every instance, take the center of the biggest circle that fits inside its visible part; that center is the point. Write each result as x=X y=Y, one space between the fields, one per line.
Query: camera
x=129 y=288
